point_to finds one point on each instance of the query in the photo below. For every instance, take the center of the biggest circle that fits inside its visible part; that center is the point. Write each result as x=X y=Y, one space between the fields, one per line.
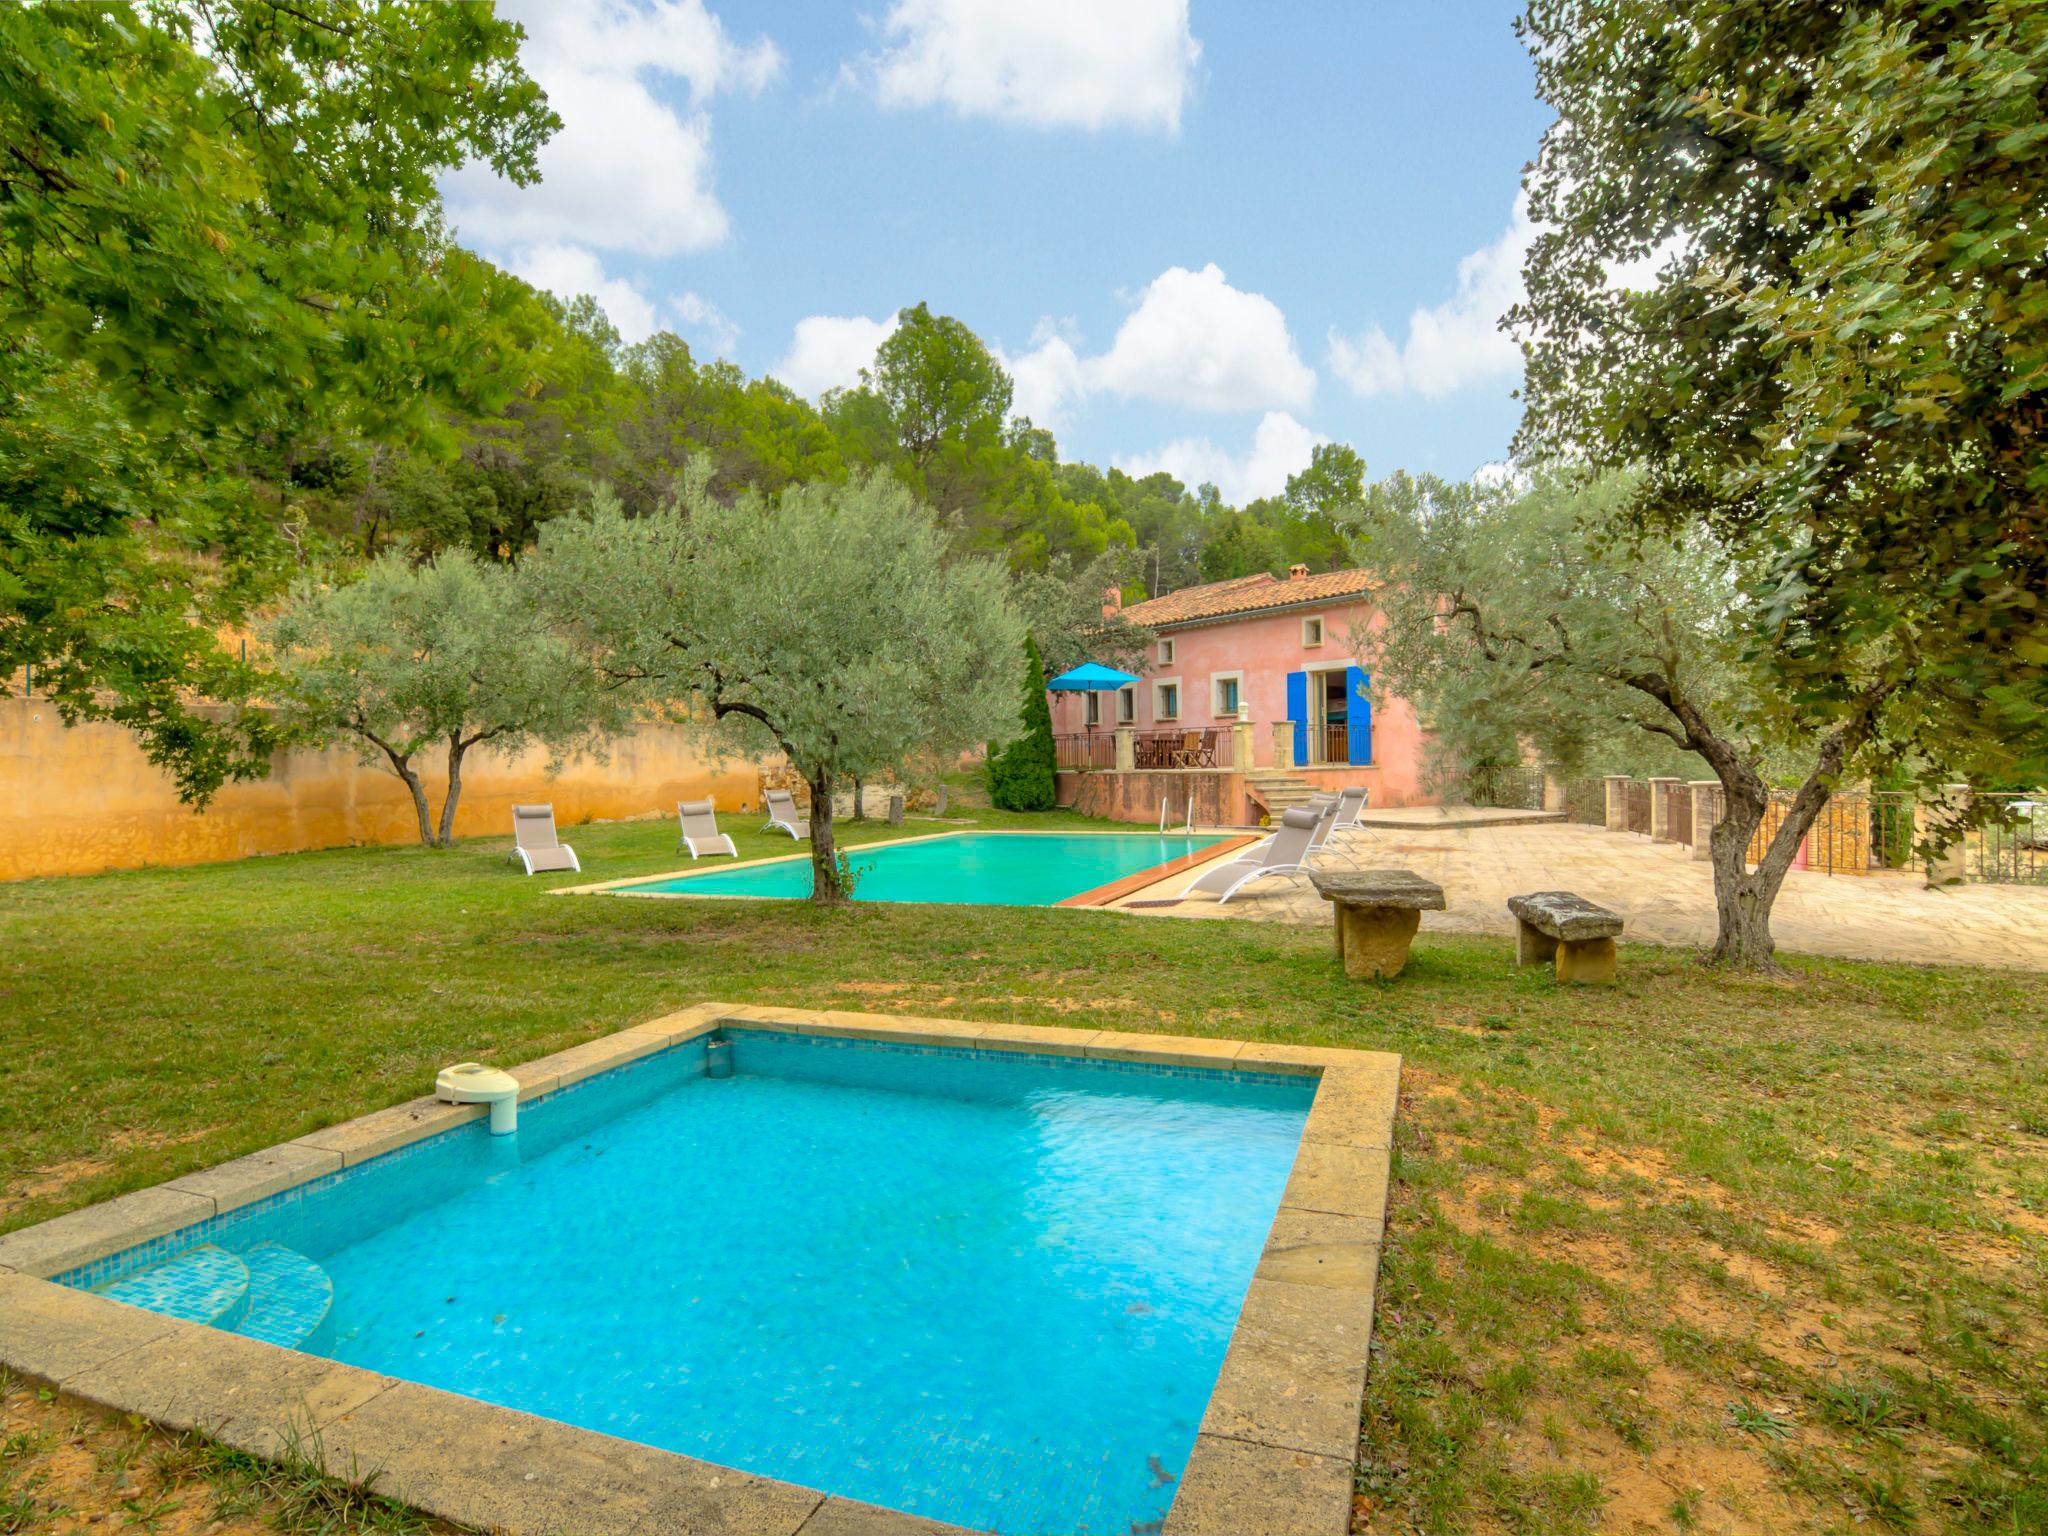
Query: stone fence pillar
x=1554 y=798
x=1617 y=802
x=1283 y=743
x=1241 y=746
x=1706 y=815
x=1126 y=749
x=1661 y=830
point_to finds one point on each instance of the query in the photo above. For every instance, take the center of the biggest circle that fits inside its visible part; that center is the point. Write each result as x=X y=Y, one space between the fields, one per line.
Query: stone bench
x=1378 y=911
x=1570 y=928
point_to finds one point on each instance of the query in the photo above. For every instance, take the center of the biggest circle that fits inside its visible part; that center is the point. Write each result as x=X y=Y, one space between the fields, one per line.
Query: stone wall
x=1220 y=799
x=74 y=800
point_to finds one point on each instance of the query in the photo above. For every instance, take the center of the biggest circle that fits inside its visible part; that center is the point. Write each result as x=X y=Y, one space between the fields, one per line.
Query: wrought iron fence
x=1506 y=786
x=2008 y=843
x=1174 y=749
x=1087 y=749
x=1636 y=807
x=1585 y=802
x=1675 y=812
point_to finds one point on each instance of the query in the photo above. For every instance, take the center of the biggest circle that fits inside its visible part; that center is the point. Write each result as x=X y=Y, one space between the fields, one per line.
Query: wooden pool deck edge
x=1275 y=1451
x=1180 y=864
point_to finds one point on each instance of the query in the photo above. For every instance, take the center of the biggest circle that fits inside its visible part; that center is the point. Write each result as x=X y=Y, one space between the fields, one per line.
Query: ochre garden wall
x=78 y=799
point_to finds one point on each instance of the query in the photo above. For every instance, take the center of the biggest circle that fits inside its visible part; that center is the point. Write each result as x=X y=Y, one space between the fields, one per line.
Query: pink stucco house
x=1253 y=696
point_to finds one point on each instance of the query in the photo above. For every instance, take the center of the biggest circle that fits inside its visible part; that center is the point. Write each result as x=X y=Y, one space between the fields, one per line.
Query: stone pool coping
x=1274 y=1454
x=1099 y=896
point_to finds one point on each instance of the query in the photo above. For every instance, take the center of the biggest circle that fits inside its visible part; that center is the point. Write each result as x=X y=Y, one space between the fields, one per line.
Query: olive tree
x=1838 y=369
x=827 y=622
x=1511 y=617
x=408 y=659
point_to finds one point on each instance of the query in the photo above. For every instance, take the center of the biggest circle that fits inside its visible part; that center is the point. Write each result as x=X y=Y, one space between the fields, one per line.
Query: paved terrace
x=1665 y=895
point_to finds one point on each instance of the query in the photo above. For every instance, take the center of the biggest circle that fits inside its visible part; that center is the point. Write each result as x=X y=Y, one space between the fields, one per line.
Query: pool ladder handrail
x=1186 y=831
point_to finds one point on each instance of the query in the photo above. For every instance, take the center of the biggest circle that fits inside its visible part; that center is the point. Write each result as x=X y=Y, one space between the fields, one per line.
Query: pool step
x=206 y=1284
x=272 y=1293
x=290 y=1298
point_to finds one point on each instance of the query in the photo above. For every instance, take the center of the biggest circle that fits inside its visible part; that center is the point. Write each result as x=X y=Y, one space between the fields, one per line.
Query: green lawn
x=1690 y=1253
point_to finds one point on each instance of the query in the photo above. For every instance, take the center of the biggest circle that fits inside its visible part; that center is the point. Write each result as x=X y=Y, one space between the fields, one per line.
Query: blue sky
x=1202 y=236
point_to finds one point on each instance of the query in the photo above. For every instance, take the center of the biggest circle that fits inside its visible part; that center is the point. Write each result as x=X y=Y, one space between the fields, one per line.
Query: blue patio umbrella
x=1090 y=677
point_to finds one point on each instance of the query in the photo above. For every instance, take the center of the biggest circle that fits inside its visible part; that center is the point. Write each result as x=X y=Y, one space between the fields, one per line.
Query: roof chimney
x=1112 y=601
x=1297 y=573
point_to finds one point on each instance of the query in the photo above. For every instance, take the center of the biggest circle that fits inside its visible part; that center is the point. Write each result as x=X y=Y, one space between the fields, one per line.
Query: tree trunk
x=456 y=747
x=419 y=801
x=824 y=855
x=1743 y=897
x=859 y=813
x=401 y=764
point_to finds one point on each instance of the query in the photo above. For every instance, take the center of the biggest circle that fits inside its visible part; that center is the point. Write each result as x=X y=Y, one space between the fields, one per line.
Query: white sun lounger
x=1327 y=823
x=1286 y=852
x=534 y=842
x=783 y=816
x=1350 y=806
x=700 y=830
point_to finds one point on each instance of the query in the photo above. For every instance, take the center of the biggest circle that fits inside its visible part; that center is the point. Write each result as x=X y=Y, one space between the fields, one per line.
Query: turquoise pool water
x=988 y=1288
x=1000 y=869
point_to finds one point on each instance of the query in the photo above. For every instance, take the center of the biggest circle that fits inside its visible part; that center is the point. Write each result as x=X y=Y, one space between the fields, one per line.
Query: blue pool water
x=1005 y=869
x=991 y=1289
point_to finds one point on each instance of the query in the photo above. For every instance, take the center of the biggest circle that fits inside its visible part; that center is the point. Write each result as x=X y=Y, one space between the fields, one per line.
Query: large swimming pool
x=1005 y=869
x=995 y=1289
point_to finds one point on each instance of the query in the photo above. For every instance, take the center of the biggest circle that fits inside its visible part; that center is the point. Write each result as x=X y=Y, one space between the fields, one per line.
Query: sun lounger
x=1350 y=806
x=534 y=842
x=784 y=816
x=1286 y=852
x=700 y=830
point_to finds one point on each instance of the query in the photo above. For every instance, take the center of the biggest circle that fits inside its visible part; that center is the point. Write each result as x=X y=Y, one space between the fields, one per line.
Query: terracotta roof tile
x=1246 y=594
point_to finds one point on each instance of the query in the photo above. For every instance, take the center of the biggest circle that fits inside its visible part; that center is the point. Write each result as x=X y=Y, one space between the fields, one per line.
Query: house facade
x=1259 y=680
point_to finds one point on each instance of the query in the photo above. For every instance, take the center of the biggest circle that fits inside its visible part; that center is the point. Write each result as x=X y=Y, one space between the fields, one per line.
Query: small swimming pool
x=990 y=1287
x=1002 y=869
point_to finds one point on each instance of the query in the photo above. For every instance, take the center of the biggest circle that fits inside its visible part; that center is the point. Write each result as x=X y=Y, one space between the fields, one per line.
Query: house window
x=1311 y=633
x=1126 y=705
x=1227 y=687
x=1166 y=701
x=1094 y=707
x=1166 y=653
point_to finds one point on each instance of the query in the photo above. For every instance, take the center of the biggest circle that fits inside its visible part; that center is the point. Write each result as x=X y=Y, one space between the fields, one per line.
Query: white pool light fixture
x=470 y=1082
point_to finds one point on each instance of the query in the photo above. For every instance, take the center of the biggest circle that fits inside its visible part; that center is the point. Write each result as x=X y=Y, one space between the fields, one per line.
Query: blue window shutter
x=1297 y=711
x=1359 y=716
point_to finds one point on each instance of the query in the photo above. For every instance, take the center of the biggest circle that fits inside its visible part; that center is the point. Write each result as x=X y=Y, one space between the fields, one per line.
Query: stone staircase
x=1277 y=790
x=271 y=1292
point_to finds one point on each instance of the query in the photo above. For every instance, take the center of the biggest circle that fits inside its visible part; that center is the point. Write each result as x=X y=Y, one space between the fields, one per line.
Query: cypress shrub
x=1020 y=774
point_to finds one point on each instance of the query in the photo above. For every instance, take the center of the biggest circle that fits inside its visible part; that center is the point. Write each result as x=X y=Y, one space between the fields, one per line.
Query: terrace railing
x=1085 y=750
x=1177 y=749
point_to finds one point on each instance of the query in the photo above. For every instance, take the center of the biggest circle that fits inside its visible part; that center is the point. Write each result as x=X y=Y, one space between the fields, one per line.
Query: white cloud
x=1046 y=379
x=628 y=170
x=1459 y=342
x=568 y=271
x=1453 y=344
x=829 y=351
x=1280 y=447
x=1194 y=340
x=1048 y=63
x=1191 y=340
x=698 y=317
